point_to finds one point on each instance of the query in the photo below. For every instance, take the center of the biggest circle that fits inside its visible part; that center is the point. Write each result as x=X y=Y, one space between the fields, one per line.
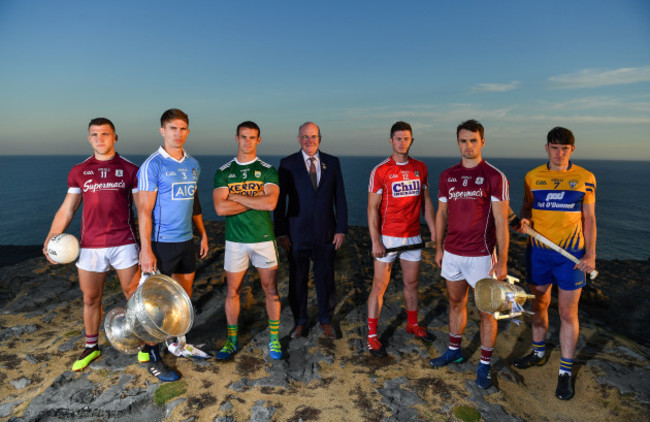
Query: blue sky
x=355 y=68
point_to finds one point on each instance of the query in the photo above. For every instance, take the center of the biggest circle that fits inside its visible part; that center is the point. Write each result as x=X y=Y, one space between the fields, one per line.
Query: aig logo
x=183 y=191
x=554 y=196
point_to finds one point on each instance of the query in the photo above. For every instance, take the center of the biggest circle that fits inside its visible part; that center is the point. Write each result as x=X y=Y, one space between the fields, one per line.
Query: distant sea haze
x=34 y=188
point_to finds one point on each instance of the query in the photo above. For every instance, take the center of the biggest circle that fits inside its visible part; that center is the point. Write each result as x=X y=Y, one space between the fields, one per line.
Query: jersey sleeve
x=134 y=180
x=499 y=187
x=271 y=177
x=73 y=184
x=590 y=189
x=425 y=178
x=442 y=187
x=375 y=184
x=148 y=176
x=528 y=193
x=220 y=180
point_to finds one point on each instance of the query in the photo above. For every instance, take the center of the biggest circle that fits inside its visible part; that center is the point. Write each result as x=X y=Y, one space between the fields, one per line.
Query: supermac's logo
x=183 y=191
x=405 y=188
x=471 y=194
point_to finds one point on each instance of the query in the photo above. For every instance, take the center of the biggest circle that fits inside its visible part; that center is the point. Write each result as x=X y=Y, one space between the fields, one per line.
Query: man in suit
x=311 y=226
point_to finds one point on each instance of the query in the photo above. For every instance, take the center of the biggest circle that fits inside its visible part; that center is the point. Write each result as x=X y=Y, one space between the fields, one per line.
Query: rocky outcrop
x=41 y=333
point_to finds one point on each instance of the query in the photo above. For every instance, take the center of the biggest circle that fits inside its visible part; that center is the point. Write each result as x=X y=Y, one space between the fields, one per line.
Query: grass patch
x=168 y=391
x=72 y=333
x=467 y=414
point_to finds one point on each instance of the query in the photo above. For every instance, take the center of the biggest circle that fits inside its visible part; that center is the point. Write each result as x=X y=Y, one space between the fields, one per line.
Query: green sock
x=274 y=329
x=232 y=333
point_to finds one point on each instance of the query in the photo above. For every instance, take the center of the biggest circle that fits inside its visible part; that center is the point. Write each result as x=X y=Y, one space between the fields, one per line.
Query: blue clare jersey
x=175 y=181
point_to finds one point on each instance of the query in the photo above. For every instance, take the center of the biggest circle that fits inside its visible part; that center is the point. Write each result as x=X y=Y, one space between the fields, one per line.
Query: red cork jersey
x=401 y=187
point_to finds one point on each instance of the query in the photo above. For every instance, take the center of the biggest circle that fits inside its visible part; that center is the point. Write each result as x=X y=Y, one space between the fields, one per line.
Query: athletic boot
x=158 y=368
x=450 y=356
x=483 y=378
x=227 y=351
x=564 y=390
x=143 y=357
x=375 y=348
x=88 y=355
x=275 y=349
x=162 y=371
x=421 y=333
x=530 y=359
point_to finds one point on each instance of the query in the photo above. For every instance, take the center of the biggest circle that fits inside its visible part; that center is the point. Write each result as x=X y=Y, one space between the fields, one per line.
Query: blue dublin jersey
x=175 y=181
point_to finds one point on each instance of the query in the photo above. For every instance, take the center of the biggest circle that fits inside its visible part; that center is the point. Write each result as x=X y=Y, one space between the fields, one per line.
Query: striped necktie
x=312 y=173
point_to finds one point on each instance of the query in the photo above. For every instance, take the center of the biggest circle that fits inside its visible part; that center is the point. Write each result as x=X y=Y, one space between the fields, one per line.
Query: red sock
x=91 y=340
x=486 y=355
x=454 y=341
x=372 y=327
x=412 y=317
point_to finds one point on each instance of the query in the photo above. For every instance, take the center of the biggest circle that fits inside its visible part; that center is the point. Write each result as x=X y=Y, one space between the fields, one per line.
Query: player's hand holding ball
x=62 y=248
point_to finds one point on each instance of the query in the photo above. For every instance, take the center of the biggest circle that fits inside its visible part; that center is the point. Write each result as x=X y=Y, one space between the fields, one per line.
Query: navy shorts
x=549 y=267
x=175 y=258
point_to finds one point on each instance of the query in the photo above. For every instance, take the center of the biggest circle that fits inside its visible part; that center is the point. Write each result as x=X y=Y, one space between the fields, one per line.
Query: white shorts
x=261 y=255
x=100 y=260
x=392 y=242
x=468 y=268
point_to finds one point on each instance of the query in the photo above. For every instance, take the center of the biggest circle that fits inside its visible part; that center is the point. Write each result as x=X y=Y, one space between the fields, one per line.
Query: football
x=63 y=248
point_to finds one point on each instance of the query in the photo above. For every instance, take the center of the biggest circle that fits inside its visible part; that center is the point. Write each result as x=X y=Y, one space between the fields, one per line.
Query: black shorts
x=175 y=258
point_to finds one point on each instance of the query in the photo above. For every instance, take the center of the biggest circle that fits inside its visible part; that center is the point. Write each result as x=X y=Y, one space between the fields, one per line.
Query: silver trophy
x=159 y=309
x=503 y=299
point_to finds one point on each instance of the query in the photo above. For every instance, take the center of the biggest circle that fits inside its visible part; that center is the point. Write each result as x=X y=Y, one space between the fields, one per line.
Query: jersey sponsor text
x=406 y=188
x=89 y=186
x=183 y=191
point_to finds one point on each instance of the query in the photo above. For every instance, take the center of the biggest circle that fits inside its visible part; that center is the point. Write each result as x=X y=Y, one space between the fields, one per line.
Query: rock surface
x=41 y=334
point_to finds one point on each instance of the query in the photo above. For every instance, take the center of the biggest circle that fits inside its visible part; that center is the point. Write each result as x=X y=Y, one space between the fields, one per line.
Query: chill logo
x=183 y=191
x=246 y=188
x=406 y=188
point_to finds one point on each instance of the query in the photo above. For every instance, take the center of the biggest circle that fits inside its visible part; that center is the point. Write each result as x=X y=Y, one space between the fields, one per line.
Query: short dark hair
x=173 y=114
x=249 y=125
x=561 y=136
x=400 y=126
x=471 y=125
x=98 y=121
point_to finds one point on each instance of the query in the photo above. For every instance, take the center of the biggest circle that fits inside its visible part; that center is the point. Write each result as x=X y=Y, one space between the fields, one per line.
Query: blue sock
x=539 y=348
x=566 y=365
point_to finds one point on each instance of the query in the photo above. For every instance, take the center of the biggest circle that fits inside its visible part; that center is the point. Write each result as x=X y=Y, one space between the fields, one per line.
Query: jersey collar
x=548 y=166
x=164 y=153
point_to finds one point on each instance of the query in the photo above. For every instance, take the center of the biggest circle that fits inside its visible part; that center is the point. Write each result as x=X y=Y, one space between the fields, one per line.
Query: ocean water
x=34 y=186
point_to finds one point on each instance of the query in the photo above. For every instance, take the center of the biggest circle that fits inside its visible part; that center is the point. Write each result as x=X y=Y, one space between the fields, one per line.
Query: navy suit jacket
x=311 y=217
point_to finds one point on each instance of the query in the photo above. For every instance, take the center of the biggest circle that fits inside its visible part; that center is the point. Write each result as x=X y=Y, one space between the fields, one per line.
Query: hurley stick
x=515 y=222
x=421 y=245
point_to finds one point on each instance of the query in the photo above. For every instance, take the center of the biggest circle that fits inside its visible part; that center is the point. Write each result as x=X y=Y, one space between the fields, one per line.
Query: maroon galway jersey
x=107 y=189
